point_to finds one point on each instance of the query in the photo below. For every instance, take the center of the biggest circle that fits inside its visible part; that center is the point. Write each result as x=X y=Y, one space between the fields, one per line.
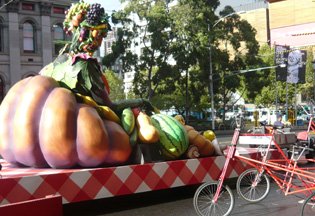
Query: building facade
x=110 y=39
x=29 y=31
x=257 y=14
x=290 y=23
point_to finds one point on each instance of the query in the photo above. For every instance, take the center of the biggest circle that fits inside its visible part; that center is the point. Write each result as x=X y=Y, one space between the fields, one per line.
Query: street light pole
x=211 y=85
x=210 y=67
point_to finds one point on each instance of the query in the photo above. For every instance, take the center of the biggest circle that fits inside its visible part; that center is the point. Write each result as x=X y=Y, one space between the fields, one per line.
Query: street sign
x=281 y=58
x=296 y=66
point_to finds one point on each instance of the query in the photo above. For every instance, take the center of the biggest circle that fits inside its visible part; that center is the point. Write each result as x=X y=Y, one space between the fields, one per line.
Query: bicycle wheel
x=308 y=208
x=204 y=204
x=251 y=187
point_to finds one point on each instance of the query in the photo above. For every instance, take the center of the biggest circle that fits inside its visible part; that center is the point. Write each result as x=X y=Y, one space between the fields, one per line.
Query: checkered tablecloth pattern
x=20 y=184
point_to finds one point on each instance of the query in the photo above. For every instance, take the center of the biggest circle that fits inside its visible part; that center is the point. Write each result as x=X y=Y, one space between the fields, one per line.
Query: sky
x=116 y=5
x=235 y=3
x=109 y=5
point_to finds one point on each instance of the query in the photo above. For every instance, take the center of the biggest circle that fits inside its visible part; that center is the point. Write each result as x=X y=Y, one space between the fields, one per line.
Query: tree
x=273 y=90
x=175 y=42
x=151 y=67
x=262 y=87
x=116 y=85
x=307 y=89
x=233 y=46
x=240 y=52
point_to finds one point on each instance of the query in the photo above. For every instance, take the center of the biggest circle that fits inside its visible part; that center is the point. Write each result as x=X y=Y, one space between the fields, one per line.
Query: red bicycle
x=253 y=185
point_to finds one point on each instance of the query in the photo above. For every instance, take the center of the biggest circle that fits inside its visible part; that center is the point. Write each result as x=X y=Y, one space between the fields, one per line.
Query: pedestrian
x=278 y=123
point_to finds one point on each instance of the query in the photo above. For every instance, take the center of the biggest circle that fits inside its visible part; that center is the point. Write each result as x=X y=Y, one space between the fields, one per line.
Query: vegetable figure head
x=88 y=25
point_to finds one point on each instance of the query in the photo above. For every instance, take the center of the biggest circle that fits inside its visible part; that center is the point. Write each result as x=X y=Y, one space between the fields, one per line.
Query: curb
x=224 y=132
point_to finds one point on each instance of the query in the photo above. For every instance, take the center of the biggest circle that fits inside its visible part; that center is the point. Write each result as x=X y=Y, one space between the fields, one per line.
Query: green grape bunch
x=75 y=15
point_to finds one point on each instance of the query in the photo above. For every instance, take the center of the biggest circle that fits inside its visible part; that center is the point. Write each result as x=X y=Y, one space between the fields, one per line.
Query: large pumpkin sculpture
x=41 y=125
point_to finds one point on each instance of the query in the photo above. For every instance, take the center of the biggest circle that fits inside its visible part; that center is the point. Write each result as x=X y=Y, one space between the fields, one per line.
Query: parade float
x=61 y=135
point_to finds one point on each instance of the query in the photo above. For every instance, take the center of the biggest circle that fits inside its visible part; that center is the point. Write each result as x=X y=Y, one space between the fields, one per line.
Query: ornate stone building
x=28 y=34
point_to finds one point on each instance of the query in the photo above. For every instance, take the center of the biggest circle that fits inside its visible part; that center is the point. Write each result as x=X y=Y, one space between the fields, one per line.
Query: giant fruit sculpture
x=64 y=118
x=46 y=120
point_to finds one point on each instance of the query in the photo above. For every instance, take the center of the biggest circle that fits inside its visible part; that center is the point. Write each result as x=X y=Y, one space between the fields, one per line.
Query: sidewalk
x=230 y=132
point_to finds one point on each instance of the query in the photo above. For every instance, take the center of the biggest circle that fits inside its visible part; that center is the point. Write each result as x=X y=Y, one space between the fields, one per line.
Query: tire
x=248 y=191
x=221 y=127
x=203 y=200
x=308 y=207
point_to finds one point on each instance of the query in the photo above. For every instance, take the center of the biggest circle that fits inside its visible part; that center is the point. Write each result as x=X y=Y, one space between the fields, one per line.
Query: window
x=28 y=6
x=59 y=37
x=1 y=36
x=58 y=10
x=28 y=37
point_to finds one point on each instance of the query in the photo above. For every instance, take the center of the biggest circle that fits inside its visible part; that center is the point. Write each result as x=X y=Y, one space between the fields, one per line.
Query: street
x=179 y=201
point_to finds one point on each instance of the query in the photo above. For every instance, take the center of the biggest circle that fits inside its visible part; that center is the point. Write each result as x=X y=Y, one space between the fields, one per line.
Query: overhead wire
x=2 y=6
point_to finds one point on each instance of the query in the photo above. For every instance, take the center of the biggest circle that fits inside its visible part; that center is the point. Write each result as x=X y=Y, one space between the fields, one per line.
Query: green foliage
x=183 y=33
x=260 y=85
x=78 y=73
x=307 y=89
x=63 y=71
x=116 y=85
x=273 y=90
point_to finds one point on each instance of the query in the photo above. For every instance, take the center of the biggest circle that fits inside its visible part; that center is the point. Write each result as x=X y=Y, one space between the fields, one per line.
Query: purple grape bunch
x=84 y=33
x=93 y=16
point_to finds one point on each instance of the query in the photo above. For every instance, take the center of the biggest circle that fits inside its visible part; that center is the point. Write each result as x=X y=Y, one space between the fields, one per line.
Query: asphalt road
x=179 y=201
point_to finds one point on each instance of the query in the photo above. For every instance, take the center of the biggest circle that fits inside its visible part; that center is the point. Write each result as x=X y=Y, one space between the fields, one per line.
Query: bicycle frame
x=271 y=167
x=286 y=173
x=229 y=156
x=295 y=179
